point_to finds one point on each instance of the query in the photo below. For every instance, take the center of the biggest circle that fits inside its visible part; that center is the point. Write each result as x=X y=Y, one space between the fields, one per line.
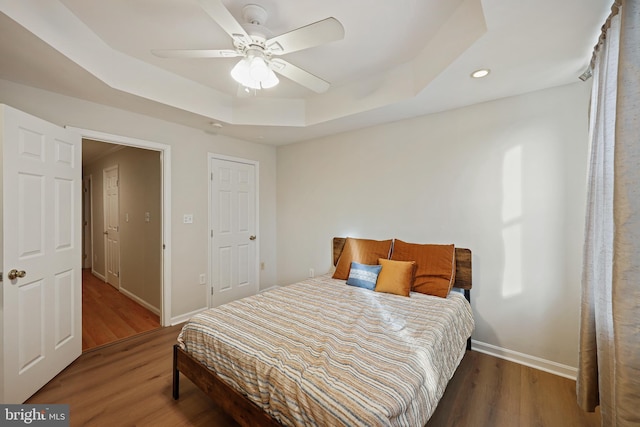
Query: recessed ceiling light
x=478 y=74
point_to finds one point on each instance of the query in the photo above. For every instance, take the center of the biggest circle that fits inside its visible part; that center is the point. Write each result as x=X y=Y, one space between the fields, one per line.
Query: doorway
x=125 y=193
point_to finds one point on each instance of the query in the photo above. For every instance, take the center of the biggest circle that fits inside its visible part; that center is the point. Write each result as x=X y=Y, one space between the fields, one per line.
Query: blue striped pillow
x=363 y=276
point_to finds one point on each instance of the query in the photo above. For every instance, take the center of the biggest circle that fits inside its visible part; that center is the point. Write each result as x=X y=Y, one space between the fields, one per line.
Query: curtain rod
x=615 y=8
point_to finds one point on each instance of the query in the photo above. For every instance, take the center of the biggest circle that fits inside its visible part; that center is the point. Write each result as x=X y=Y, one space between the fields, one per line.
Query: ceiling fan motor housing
x=254 y=14
x=254 y=19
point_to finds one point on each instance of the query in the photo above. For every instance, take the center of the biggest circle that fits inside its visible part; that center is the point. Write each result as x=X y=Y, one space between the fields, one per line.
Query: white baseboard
x=269 y=288
x=151 y=308
x=526 y=360
x=98 y=275
x=184 y=317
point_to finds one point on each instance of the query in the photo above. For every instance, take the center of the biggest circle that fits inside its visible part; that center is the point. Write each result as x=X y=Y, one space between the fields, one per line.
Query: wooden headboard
x=463 y=263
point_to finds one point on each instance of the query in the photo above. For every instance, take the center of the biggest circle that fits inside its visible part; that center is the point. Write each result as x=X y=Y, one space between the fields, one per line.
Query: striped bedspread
x=322 y=353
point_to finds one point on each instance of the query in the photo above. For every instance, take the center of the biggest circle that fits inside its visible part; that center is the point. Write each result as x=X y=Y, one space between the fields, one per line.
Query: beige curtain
x=609 y=365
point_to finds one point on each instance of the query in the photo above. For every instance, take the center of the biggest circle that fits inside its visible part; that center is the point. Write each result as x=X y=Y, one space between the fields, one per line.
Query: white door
x=112 y=225
x=234 y=261
x=42 y=252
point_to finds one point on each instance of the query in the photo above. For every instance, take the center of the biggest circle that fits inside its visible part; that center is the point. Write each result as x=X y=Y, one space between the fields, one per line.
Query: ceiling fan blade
x=219 y=13
x=195 y=53
x=321 y=32
x=300 y=76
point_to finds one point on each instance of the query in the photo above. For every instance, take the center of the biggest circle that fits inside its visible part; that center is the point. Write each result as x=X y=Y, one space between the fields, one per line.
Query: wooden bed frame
x=241 y=409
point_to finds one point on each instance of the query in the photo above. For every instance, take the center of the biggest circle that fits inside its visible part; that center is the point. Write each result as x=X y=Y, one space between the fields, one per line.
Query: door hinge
x=212 y=291
x=0 y=276
x=211 y=176
x=163 y=246
x=211 y=233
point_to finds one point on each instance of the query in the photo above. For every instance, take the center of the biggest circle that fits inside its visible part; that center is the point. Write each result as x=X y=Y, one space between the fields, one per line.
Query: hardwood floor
x=129 y=383
x=487 y=391
x=108 y=315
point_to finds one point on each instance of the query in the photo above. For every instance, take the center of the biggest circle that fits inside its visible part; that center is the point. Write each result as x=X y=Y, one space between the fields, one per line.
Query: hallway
x=108 y=315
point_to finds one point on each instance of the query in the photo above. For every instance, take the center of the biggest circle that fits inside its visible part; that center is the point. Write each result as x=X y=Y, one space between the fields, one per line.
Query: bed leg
x=467 y=295
x=176 y=374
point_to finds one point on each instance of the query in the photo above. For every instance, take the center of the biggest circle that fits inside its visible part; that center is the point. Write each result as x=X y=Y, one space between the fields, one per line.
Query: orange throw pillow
x=435 y=266
x=395 y=277
x=364 y=251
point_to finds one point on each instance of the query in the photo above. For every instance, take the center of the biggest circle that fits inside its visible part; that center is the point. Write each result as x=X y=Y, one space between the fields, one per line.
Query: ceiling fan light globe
x=258 y=70
x=254 y=73
x=241 y=72
x=252 y=84
x=271 y=80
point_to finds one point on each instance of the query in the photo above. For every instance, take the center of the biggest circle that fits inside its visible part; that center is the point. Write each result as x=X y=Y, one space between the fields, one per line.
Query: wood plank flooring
x=487 y=391
x=129 y=383
x=108 y=315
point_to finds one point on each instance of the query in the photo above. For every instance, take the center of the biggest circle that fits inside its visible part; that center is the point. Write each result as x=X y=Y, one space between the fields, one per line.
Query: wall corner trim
x=184 y=317
x=526 y=360
x=152 y=308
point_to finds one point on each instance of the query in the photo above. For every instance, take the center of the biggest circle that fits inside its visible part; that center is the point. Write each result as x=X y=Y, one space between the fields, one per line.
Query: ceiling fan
x=260 y=51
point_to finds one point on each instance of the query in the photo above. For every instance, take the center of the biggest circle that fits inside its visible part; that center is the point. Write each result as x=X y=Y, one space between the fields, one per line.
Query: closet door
x=232 y=210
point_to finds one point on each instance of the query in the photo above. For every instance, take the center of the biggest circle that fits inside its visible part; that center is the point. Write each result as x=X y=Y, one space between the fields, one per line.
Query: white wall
x=505 y=179
x=189 y=179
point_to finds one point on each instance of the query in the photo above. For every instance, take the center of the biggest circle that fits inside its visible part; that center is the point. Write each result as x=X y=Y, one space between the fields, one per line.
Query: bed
x=319 y=352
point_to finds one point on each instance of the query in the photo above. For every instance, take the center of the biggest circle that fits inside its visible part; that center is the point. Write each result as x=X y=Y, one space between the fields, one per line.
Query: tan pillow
x=363 y=251
x=395 y=277
x=435 y=266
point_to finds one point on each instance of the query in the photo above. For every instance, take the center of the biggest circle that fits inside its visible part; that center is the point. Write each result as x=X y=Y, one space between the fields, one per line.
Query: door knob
x=252 y=237
x=14 y=274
